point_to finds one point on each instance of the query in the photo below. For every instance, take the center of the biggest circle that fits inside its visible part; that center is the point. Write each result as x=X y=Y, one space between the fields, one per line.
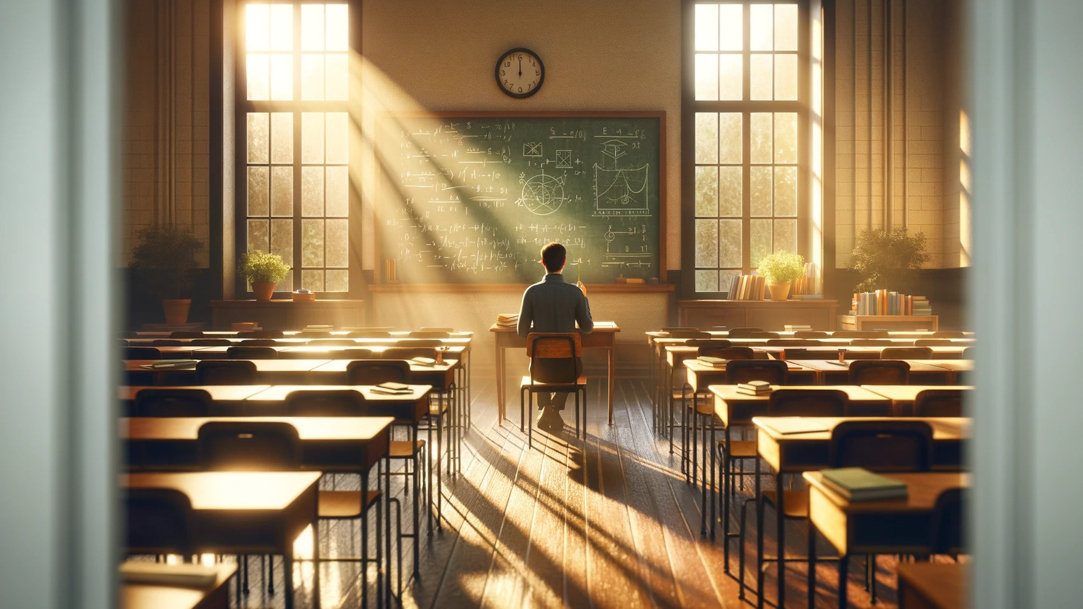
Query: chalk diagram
x=619 y=191
x=542 y=194
x=564 y=159
x=626 y=248
x=532 y=149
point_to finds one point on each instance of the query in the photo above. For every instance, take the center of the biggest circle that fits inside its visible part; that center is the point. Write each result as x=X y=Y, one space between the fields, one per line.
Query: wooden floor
x=608 y=522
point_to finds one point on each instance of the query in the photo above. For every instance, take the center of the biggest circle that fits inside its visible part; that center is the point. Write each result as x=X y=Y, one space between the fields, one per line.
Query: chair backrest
x=246 y=352
x=787 y=342
x=807 y=403
x=949 y=522
x=430 y=334
x=744 y=370
x=949 y=334
x=325 y=403
x=226 y=372
x=407 y=352
x=352 y=353
x=906 y=353
x=561 y=351
x=249 y=445
x=688 y=333
x=185 y=334
x=810 y=334
x=258 y=342
x=879 y=372
x=751 y=333
x=172 y=403
x=210 y=342
x=856 y=354
x=870 y=342
x=897 y=445
x=716 y=343
x=166 y=342
x=260 y=334
x=334 y=342
x=376 y=371
x=728 y=352
x=967 y=353
x=934 y=342
x=939 y=403
x=142 y=353
x=803 y=353
x=860 y=334
x=679 y=329
x=158 y=521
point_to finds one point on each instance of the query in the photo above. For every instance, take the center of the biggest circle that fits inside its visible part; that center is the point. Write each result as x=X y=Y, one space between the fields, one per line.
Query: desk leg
x=780 y=525
x=844 y=564
x=811 y=565
x=759 y=540
x=612 y=368
x=500 y=381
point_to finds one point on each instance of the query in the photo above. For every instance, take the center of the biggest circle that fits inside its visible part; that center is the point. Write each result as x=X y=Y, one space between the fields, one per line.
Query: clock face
x=520 y=73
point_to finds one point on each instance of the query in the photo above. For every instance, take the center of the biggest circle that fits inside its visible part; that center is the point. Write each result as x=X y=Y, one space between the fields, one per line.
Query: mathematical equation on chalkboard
x=474 y=199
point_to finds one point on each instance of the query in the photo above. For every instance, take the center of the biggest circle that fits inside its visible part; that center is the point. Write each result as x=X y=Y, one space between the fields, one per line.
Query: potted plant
x=886 y=258
x=779 y=269
x=165 y=261
x=263 y=270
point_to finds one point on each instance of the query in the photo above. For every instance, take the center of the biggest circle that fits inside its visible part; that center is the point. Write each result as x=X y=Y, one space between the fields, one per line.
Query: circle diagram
x=542 y=195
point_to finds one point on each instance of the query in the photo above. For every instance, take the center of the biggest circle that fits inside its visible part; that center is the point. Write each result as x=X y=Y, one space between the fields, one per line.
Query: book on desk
x=859 y=484
x=754 y=388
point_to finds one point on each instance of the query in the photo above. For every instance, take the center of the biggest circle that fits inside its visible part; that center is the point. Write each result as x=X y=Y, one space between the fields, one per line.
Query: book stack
x=391 y=388
x=808 y=285
x=884 y=302
x=796 y=327
x=747 y=287
x=859 y=484
x=169 y=364
x=710 y=360
x=507 y=320
x=422 y=361
x=921 y=306
x=754 y=388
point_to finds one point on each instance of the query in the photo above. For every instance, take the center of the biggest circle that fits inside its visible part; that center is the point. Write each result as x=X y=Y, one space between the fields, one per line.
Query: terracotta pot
x=176 y=310
x=263 y=290
x=779 y=291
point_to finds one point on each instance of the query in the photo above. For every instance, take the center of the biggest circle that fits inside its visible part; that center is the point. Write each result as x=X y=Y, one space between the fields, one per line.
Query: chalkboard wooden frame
x=386 y=234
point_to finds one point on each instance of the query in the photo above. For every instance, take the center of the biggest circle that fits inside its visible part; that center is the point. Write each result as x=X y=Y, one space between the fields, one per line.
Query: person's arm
x=526 y=315
x=582 y=315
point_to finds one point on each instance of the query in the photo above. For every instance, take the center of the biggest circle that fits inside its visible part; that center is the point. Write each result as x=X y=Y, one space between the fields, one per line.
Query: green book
x=859 y=484
x=711 y=360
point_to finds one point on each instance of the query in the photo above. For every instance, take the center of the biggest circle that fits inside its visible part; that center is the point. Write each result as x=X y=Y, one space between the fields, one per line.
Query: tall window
x=295 y=127
x=746 y=119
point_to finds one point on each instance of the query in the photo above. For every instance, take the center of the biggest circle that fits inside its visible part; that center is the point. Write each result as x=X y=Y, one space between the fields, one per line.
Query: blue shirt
x=554 y=306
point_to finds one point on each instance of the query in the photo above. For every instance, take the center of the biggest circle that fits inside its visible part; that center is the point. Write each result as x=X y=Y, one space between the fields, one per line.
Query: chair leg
x=522 y=415
x=530 y=423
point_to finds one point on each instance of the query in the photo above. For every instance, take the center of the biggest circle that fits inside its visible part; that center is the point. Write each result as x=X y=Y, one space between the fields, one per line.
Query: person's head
x=553 y=257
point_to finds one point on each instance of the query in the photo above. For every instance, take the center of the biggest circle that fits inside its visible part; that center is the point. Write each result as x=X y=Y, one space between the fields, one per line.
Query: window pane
x=785 y=27
x=338 y=129
x=761 y=27
x=258 y=136
x=761 y=137
x=312 y=131
x=312 y=280
x=337 y=280
x=281 y=77
x=311 y=242
x=786 y=137
x=706 y=76
x=730 y=77
x=730 y=143
x=258 y=83
x=258 y=189
x=759 y=184
x=786 y=191
x=785 y=77
x=760 y=77
x=706 y=137
x=760 y=240
x=256 y=27
x=282 y=239
x=706 y=242
x=281 y=27
x=729 y=250
x=786 y=235
x=257 y=235
x=338 y=192
x=732 y=26
x=312 y=77
x=338 y=243
x=731 y=191
x=338 y=77
x=281 y=137
x=311 y=191
x=312 y=21
x=726 y=280
x=706 y=191
x=282 y=191
x=707 y=281
x=338 y=27
x=706 y=36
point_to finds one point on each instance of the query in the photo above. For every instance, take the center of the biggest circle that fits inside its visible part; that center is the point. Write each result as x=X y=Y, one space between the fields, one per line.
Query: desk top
x=599 y=326
x=940 y=585
x=230 y=490
x=834 y=365
x=279 y=393
x=132 y=595
x=813 y=429
x=312 y=429
x=908 y=393
x=922 y=490
x=729 y=393
x=219 y=393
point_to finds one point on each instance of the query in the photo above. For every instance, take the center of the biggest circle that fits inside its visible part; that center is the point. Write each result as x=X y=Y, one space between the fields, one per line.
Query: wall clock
x=519 y=72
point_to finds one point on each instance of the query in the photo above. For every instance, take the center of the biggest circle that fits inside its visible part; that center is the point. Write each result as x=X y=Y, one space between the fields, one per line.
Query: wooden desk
x=889 y=322
x=246 y=512
x=283 y=314
x=897 y=526
x=924 y=585
x=903 y=396
x=834 y=372
x=603 y=336
x=132 y=595
x=225 y=397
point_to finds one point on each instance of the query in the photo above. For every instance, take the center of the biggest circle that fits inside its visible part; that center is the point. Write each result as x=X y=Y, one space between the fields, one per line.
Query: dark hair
x=553 y=256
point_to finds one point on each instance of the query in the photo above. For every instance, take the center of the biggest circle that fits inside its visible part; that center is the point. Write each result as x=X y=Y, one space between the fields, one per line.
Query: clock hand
x=520 y=66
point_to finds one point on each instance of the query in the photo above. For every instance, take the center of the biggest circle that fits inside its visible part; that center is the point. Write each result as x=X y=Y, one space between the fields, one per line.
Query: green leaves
x=886 y=258
x=782 y=267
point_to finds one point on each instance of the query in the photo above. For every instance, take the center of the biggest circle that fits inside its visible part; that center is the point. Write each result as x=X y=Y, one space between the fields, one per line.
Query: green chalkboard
x=473 y=198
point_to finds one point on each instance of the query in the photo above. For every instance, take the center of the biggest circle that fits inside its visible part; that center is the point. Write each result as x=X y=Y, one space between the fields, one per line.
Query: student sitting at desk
x=551 y=305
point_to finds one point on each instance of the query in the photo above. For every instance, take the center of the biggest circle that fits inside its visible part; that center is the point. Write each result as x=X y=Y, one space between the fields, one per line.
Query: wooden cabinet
x=277 y=315
x=888 y=322
x=764 y=314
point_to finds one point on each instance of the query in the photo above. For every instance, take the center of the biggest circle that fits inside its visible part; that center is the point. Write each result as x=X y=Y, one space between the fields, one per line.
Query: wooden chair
x=157 y=521
x=172 y=403
x=934 y=342
x=258 y=342
x=247 y=352
x=561 y=352
x=939 y=403
x=714 y=343
x=210 y=342
x=879 y=372
x=916 y=352
x=325 y=403
x=376 y=371
x=226 y=372
x=870 y=342
x=430 y=334
x=186 y=334
x=787 y=342
x=860 y=334
x=949 y=522
x=687 y=333
x=810 y=334
x=741 y=371
x=408 y=352
x=745 y=332
x=728 y=353
x=166 y=342
x=142 y=353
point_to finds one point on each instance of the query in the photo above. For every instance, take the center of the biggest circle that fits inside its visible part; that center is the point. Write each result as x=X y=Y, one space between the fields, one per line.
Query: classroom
x=290 y=328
